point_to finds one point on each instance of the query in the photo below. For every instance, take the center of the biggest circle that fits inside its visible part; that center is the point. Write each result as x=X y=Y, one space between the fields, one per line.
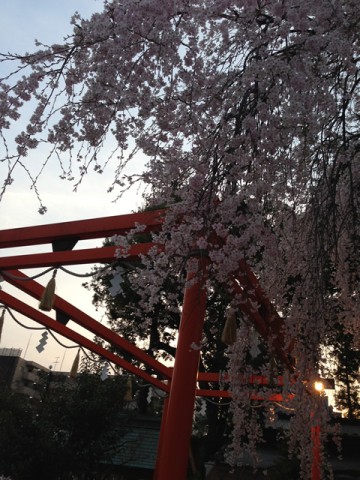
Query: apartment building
x=22 y=375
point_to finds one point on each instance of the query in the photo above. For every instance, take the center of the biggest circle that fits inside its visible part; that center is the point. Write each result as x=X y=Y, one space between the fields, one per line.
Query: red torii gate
x=179 y=382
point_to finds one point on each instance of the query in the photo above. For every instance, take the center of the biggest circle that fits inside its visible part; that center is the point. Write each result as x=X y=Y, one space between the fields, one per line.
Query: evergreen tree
x=346 y=372
x=75 y=428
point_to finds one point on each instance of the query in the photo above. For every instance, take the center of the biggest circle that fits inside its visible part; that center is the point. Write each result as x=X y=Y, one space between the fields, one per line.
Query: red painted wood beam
x=74 y=257
x=79 y=339
x=78 y=316
x=81 y=229
x=175 y=442
x=265 y=318
x=161 y=436
x=273 y=397
x=316 y=452
x=34 y=289
x=250 y=311
x=250 y=380
x=253 y=292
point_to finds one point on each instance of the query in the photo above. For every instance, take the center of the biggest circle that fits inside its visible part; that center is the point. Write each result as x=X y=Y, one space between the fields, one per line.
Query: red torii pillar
x=174 y=445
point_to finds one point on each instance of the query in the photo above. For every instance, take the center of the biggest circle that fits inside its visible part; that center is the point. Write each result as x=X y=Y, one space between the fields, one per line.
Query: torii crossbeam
x=181 y=381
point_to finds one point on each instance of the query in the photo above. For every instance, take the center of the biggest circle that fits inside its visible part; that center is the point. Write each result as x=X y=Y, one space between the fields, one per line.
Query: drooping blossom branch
x=248 y=114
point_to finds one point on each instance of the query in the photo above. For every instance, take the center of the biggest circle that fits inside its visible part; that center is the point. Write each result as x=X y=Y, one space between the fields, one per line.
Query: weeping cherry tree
x=247 y=113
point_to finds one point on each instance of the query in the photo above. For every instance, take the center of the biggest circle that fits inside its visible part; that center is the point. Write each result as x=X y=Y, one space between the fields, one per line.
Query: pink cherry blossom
x=248 y=114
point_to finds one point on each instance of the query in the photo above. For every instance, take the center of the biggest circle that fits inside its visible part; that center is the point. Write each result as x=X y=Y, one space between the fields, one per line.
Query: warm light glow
x=319 y=386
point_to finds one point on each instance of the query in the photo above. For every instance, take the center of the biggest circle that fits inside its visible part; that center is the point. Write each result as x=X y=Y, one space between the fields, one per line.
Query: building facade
x=22 y=376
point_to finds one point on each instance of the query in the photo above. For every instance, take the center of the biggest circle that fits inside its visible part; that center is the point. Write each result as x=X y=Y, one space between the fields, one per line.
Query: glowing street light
x=319 y=386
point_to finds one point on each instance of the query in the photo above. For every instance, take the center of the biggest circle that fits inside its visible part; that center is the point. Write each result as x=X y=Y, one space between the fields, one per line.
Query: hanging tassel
x=75 y=365
x=48 y=296
x=2 y=318
x=228 y=335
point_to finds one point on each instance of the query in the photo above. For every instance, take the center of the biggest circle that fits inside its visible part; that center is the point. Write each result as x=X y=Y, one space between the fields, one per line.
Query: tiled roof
x=138 y=447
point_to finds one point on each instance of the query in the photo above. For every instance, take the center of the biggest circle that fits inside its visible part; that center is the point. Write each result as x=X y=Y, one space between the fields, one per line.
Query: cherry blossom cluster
x=248 y=114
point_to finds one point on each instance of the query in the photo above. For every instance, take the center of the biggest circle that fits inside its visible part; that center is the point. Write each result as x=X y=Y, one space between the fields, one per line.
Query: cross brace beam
x=31 y=287
x=66 y=332
x=76 y=257
x=81 y=229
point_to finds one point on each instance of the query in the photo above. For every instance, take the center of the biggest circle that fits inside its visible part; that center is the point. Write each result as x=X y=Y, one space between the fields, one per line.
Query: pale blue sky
x=22 y=21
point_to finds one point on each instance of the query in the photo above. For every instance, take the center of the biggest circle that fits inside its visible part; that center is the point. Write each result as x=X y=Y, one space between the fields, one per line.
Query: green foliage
x=75 y=427
x=342 y=363
x=19 y=435
x=85 y=419
x=347 y=374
